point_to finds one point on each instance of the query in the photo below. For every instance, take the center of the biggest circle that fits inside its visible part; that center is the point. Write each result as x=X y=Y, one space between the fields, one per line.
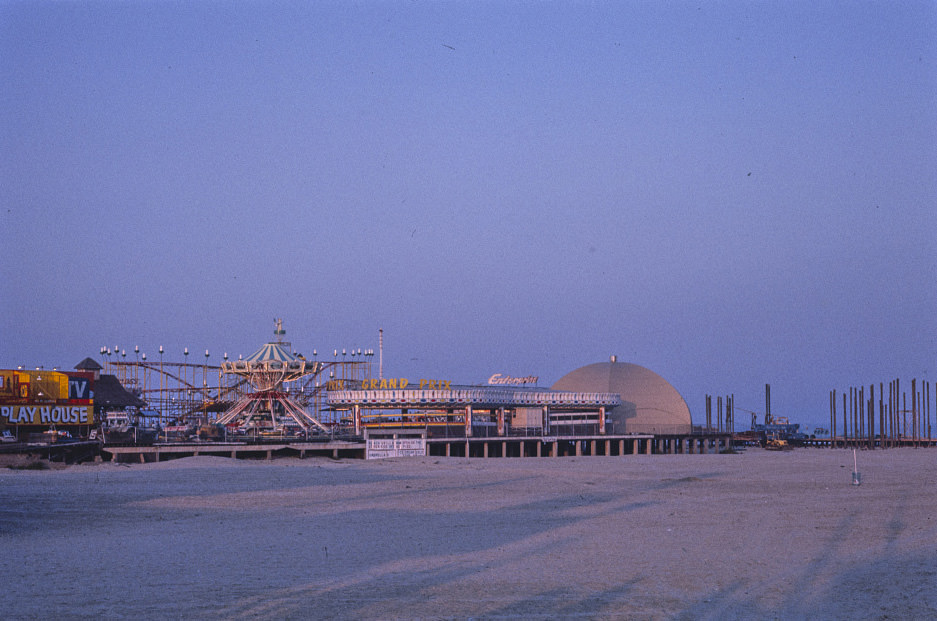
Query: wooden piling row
x=898 y=425
x=724 y=423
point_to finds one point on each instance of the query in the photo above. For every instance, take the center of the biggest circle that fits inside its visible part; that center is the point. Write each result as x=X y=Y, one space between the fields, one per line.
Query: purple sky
x=730 y=194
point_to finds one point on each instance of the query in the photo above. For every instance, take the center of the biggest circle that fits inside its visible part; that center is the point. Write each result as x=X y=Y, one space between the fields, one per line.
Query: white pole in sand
x=855 y=468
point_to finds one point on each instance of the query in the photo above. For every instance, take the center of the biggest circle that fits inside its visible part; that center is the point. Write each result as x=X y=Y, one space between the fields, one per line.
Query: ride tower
x=270 y=407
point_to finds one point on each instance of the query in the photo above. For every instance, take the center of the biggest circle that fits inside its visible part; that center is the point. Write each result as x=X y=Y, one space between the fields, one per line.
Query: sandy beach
x=753 y=535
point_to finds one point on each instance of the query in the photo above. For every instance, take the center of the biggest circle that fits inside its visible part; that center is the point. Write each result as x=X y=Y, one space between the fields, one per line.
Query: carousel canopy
x=270 y=366
x=273 y=351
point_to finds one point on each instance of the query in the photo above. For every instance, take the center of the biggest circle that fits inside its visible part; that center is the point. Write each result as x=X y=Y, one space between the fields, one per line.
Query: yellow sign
x=48 y=414
x=393 y=383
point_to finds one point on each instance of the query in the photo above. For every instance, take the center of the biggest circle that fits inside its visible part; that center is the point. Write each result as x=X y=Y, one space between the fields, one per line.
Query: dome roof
x=649 y=403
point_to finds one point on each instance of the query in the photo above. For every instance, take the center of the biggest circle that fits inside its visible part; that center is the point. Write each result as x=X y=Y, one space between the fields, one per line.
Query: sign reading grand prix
x=393 y=383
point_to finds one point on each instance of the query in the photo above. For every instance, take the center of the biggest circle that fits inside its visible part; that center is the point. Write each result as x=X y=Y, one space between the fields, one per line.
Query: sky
x=731 y=194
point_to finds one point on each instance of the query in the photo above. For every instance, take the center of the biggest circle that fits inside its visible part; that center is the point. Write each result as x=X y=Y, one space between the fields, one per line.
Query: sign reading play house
x=43 y=397
x=47 y=414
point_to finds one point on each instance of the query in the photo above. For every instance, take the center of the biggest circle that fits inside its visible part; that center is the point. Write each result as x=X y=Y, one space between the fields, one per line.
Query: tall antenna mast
x=380 y=358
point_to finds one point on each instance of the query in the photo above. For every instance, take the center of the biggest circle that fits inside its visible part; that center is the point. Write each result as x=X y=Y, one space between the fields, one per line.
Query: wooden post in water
x=858 y=421
x=927 y=400
x=730 y=425
x=845 y=419
x=709 y=411
x=860 y=413
x=847 y=405
x=860 y=417
x=856 y=418
x=904 y=415
x=719 y=414
x=769 y=417
x=852 y=414
x=887 y=426
x=919 y=417
x=860 y=406
x=870 y=417
x=925 y=414
x=893 y=412
x=832 y=417
x=919 y=400
x=896 y=428
x=893 y=421
x=922 y=412
x=867 y=407
x=921 y=425
x=881 y=413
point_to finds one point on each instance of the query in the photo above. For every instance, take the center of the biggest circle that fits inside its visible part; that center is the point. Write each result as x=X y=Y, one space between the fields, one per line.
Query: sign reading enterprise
x=498 y=379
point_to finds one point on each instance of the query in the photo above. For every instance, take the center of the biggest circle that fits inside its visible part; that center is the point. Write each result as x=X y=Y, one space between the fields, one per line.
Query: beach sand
x=754 y=535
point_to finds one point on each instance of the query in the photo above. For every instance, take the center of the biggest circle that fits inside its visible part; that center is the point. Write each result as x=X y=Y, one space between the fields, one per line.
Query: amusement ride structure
x=273 y=390
x=269 y=407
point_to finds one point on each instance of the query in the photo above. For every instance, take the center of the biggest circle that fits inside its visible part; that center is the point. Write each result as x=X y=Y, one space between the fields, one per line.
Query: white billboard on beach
x=381 y=448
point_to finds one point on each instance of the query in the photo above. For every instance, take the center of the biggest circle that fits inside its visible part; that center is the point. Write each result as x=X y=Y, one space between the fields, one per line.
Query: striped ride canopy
x=272 y=351
x=268 y=367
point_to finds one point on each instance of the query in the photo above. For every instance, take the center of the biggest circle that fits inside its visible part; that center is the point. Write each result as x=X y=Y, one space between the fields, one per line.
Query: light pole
x=334 y=364
x=162 y=395
x=205 y=383
x=221 y=373
x=185 y=377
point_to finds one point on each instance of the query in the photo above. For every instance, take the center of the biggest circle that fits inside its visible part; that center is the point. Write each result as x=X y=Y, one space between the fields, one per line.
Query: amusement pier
x=277 y=402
